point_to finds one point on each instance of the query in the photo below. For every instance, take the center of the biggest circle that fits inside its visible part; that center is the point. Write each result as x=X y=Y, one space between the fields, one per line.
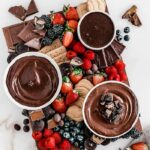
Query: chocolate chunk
x=27 y=33
x=11 y=33
x=51 y=124
x=34 y=43
x=38 y=125
x=49 y=112
x=131 y=15
x=18 y=11
x=32 y=8
x=37 y=115
x=42 y=33
x=97 y=139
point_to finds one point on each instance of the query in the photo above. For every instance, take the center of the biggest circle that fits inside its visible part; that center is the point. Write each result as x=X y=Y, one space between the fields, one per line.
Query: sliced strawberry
x=67 y=38
x=37 y=135
x=98 y=78
x=76 y=75
x=50 y=142
x=72 y=24
x=120 y=65
x=57 y=137
x=71 y=97
x=139 y=146
x=71 y=54
x=47 y=132
x=58 y=18
x=86 y=64
x=79 y=48
x=59 y=105
x=89 y=55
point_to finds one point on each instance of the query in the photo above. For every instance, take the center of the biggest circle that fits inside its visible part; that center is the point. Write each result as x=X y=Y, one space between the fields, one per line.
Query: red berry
x=57 y=137
x=108 y=70
x=65 y=145
x=58 y=18
x=89 y=55
x=50 y=142
x=120 y=65
x=79 y=48
x=41 y=144
x=47 y=132
x=73 y=24
x=113 y=71
x=71 y=54
x=123 y=76
x=37 y=135
x=117 y=77
x=67 y=38
x=86 y=64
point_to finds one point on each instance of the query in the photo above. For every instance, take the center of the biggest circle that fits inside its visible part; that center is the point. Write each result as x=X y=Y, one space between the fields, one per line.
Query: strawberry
x=58 y=18
x=70 y=54
x=76 y=75
x=70 y=13
x=72 y=24
x=57 y=137
x=37 y=135
x=139 y=146
x=120 y=65
x=65 y=145
x=59 y=105
x=86 y=64
x=47 y=132
x=98 y=78
x=79 y=48
x=66 y=85
x=72 y=44
x=50 y=142
x=89 y=55
x=71 y=97
x=41 y=144
x=67 y=38
x=123 y=76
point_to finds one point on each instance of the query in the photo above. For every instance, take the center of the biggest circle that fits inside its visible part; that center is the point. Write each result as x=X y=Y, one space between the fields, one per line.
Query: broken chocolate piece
x=51 y=124
x=42 y=33
x=97 y=139
x=18 y=11
x=132 y=16
x=32 y=8
x=27 y=33
x=34 y=43
x=36 y=115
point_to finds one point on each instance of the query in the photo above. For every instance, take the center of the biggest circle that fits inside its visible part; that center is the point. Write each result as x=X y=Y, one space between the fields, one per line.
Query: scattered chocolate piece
x=37 y=115
x=90 y=145
x=11 y=57
x=106 y=142
x=38 y=125
x=26 y=128
x=26 y=121
x=17 y=127
x=18 y=11
x=42 y=33
x=131 y=15
x=51 y=124
x=65 y=69
x=34 y=43
x=97 y=139
x=21 y=48
x=27 y=33
x=32 y=8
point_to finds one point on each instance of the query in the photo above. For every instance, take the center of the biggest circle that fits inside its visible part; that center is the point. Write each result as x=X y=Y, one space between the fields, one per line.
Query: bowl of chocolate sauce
x=32 y=80
x=96 y=30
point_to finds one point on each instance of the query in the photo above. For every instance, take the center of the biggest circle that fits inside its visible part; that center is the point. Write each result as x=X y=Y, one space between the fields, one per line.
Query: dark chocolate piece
x=27 y=33
x=32 y=8
x=18 y=11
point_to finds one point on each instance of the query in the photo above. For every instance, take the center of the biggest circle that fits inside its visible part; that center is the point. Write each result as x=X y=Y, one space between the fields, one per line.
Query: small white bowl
x=83 y=111
x=38 y=55
x=86 y=45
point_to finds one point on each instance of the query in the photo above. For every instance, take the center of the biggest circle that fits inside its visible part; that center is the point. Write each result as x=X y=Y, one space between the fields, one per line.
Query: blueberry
x=126 y=38
x=66 y=135
x=126 y=30
x=71 y=123
x=57 y=129
x=38 y=125
x=79 y=125
x=119 y=37
x=17 y=127
x=67 y=124
x=81 y=147
x=71 y=128
x=76 y=130
x=73 y=133
x=66 y=129
x=118 y=32
x=26 y=128
x=72 y=139
x=80 y=138
x=61 y=131
x=76 y=144
x=26 y=121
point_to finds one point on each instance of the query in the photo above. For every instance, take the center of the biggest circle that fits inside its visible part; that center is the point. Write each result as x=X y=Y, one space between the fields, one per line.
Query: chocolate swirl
x=32 y=81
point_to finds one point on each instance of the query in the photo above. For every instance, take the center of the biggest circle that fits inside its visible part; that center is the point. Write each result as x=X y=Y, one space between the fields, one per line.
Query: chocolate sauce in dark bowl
x=96 y=30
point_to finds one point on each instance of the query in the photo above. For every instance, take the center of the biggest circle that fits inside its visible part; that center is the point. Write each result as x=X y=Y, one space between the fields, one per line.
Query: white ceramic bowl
x=38 y=55
x=86 y=45
x=83 y=110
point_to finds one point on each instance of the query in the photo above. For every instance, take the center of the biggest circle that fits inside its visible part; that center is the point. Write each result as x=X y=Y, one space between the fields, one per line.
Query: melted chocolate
x=128 y=116
x=96 y=30
x=32 y=81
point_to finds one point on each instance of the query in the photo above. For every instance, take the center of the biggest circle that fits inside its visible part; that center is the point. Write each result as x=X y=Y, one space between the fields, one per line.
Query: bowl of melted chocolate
x=96 y=30
x=32 y=80
x=110 y=109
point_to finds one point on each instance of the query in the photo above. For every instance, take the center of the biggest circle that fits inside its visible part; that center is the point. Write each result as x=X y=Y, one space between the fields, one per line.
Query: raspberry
x=113 y=71
x=47 y=132
x=50 y=142
x=89 y=55
x=37 y=135
x=57 y=137
x=86 y=64
x=123 y=76
x=120 y=65
x=65 y=145
x=79 y=48
x=41 y=144
x=71 y=54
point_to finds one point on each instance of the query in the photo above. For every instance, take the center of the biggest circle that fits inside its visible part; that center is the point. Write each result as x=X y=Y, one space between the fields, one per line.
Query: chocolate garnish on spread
x=98 y=123
x=96 y=30
x=32 y=81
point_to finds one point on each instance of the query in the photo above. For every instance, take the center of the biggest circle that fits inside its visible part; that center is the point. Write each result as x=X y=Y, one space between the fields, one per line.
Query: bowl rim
x=37 y=54
x=79 y=34
x=83 y=110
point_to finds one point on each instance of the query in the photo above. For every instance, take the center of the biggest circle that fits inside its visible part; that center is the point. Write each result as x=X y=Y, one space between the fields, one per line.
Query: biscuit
x=60 y=58
x=82 y=9
x=79 y=102
x=82 y=90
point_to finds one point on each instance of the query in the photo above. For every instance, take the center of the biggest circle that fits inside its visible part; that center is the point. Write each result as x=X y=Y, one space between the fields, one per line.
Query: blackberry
x=126 y=29
x=26 y=121
x=126 y=38
x=46 y=41
x=48 y=22
x=60 y=37
x=58 y=30
x=11 y=57
x=51 y=34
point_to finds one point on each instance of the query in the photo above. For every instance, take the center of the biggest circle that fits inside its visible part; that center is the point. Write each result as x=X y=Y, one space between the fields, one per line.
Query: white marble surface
x=136 y=55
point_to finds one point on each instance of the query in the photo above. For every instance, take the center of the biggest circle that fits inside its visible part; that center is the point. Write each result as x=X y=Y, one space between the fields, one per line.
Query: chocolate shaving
x=32 y=8
x=132 y=16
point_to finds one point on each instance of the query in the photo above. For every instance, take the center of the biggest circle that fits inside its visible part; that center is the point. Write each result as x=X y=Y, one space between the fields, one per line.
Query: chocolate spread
x=95 y=120
x=32 y=81
x=97 y=30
